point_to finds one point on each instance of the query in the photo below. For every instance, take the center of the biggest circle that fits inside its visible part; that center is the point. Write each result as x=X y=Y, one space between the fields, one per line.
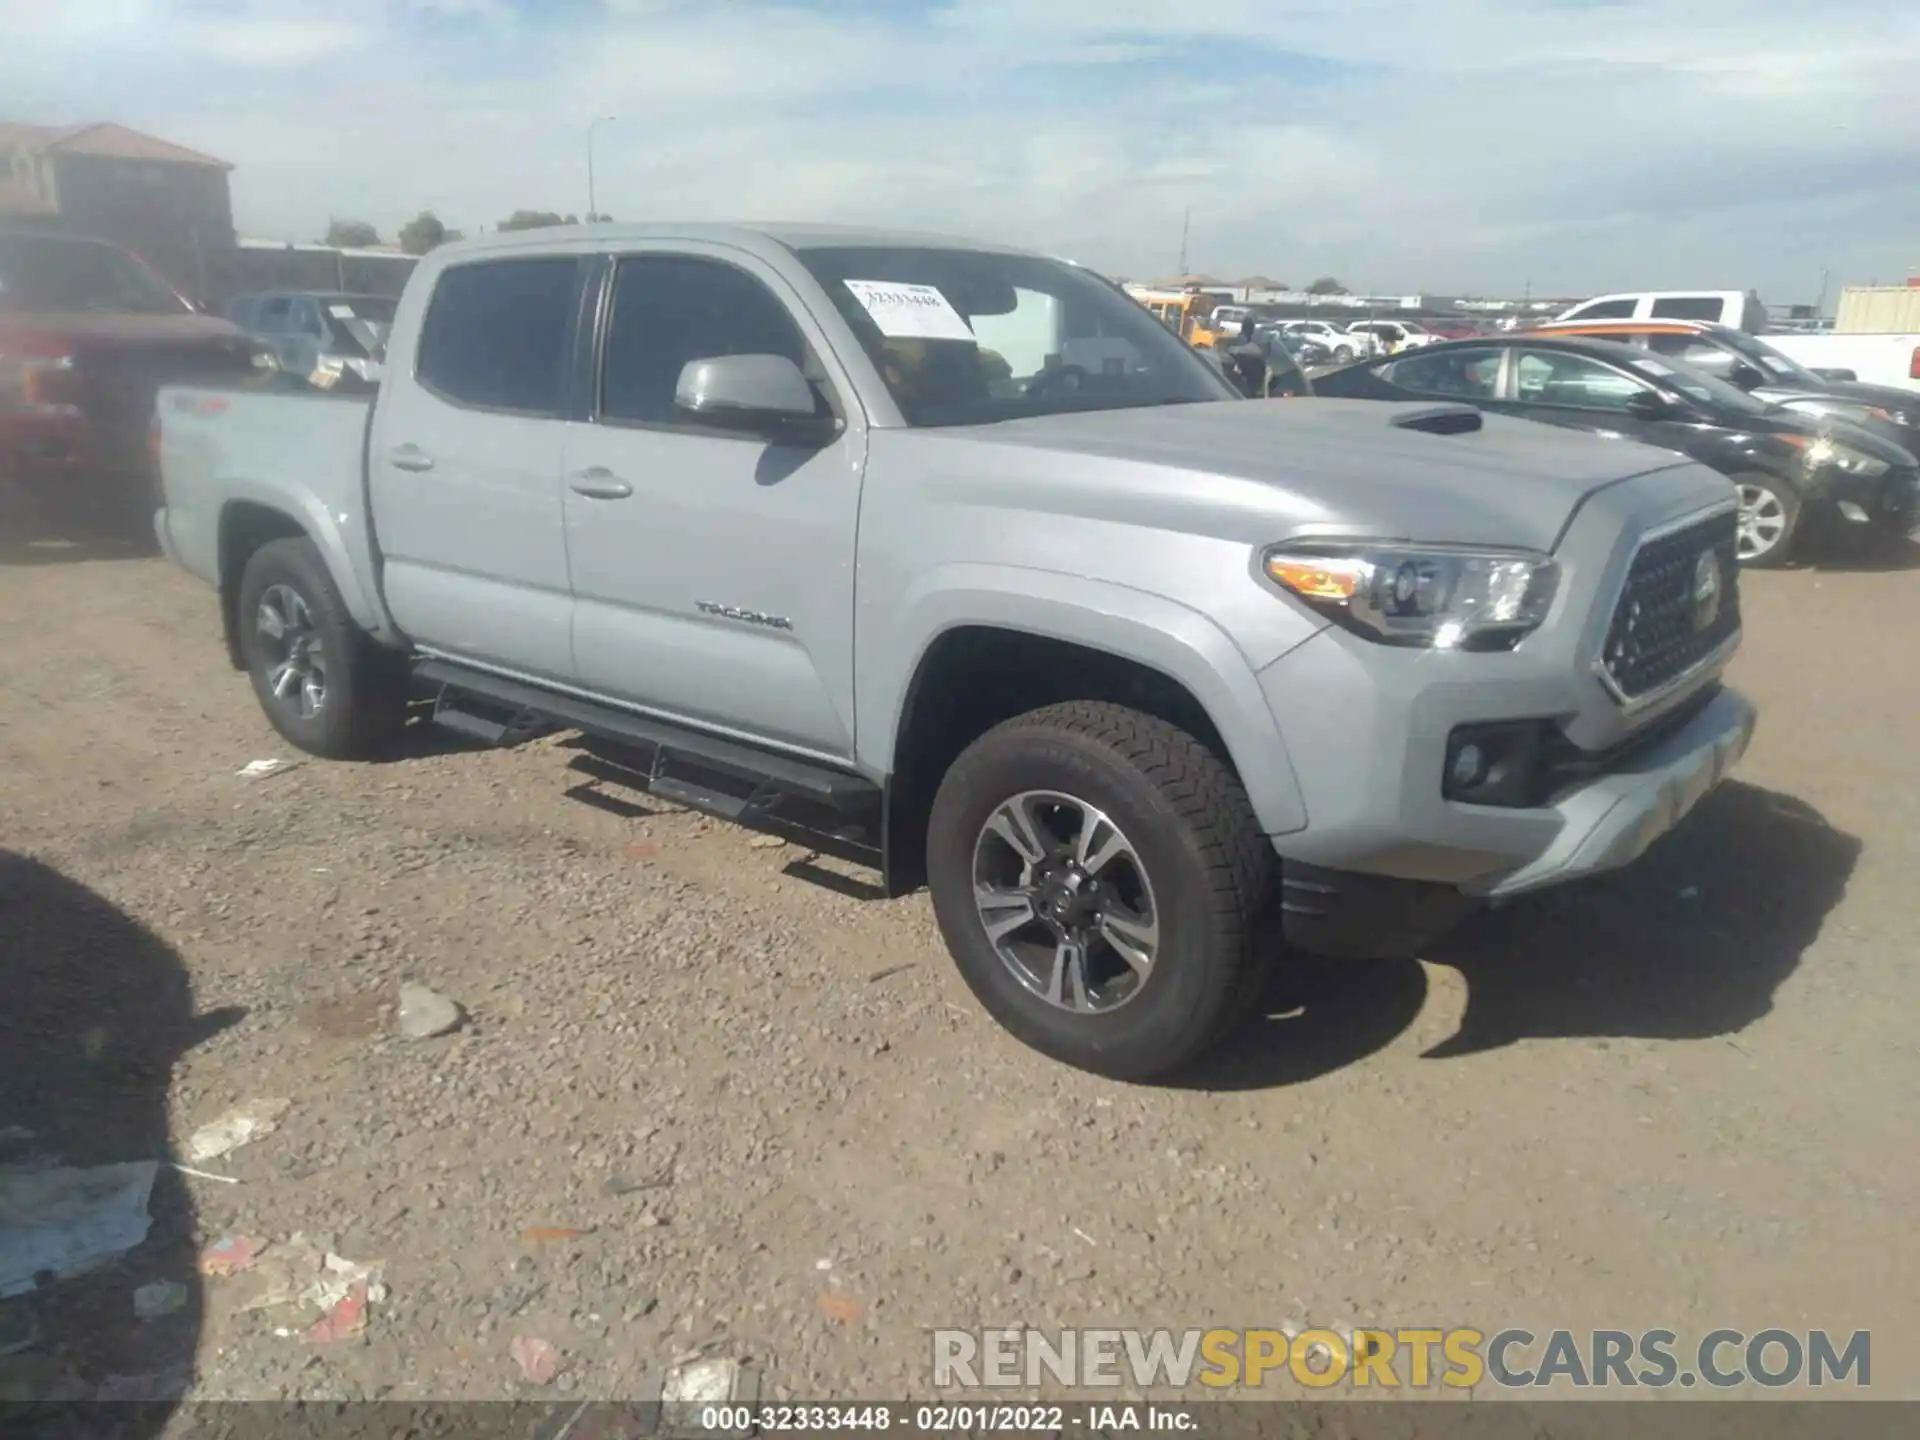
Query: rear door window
x=1697 y=350
x=498 y=335
x=1470 y=374
x=1620 y=308
x=275 y=316
x=1556 y=377
x=1687 y=307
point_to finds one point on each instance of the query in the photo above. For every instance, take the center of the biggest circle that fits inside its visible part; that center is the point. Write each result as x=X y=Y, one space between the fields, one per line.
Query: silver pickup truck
x=952 y=560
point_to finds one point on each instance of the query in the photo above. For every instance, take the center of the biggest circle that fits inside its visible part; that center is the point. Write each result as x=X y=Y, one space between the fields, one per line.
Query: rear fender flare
x=352 y=573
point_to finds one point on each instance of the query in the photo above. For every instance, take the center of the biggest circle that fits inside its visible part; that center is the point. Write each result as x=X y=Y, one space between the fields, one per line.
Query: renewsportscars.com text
x=1413 y=1358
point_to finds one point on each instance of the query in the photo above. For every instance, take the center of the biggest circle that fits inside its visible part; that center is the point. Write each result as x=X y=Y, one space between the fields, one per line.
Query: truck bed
x=299 y=451
x=1874 y=359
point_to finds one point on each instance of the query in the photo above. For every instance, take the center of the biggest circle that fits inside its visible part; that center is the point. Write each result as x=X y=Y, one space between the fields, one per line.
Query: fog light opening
x=1469 y=767
x=1495 y=763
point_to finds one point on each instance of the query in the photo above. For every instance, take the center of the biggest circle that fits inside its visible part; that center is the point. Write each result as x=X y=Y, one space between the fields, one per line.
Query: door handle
x=598 y=483
x=410 y=457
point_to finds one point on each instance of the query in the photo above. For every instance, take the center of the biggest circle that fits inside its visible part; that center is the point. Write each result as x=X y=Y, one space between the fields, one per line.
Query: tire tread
x=376 y=678
x=1212 y=805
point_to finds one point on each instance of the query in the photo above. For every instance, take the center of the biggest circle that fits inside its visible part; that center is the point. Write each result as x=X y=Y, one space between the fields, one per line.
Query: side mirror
x=1747 y=377
x=1652 y=405
x=757 y=394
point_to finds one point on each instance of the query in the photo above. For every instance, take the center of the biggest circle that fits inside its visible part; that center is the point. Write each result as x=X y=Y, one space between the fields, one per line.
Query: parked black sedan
x=1750 y=363
x=1787 y=466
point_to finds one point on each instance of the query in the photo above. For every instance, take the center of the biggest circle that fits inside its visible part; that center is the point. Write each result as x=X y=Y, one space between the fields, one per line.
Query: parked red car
x=88 y=333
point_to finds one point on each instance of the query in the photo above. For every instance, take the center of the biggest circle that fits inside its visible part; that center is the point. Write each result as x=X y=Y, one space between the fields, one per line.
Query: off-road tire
x=1188 y=818
x=366 y=684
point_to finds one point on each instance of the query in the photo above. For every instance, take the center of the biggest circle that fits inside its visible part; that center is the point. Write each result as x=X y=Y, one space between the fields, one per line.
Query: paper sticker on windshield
x=341 y=312
x=1652 y=367
x=909 y=312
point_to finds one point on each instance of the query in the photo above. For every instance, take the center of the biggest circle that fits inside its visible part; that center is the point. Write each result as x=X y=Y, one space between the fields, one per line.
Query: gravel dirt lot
x=699 y=1105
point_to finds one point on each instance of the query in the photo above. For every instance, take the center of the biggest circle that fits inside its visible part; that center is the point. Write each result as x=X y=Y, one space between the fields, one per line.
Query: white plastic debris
x=705 y=1382
x=68 y=1221
x=425 y=1013
x=260 y=769
x=239 y=1126
x=338 y=1275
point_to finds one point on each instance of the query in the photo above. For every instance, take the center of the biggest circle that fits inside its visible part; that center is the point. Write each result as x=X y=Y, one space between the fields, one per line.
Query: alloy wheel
x=1763 y=520
x=1066 y=901
x=294 y=658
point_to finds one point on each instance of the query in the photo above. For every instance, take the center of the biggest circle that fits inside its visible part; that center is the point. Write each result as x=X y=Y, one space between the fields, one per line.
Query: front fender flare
x=1178 y=641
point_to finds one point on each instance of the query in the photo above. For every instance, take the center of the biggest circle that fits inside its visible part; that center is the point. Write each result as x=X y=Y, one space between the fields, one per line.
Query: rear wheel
x=1343 y=355
x=1099 y=878
x=325 y=685
x=1770 y=513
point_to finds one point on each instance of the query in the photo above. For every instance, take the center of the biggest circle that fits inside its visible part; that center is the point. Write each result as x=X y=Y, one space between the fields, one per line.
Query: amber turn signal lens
x=1316 y=579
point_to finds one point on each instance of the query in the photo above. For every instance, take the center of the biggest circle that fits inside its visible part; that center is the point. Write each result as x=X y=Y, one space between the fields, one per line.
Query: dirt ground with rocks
x=698 y=1105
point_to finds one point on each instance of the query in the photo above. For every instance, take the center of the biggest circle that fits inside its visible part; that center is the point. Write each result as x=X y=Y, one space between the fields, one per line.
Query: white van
x=1740 y=309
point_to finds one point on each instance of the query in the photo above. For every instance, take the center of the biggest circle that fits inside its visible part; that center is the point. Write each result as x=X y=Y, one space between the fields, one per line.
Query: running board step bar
x=831 y=811
x=838 y=788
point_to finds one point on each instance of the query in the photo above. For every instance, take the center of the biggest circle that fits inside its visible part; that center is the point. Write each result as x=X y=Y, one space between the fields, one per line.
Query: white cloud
x=1473 y=144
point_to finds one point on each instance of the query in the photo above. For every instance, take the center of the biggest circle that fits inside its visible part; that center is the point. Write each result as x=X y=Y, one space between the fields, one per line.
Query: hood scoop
x=1439 y=420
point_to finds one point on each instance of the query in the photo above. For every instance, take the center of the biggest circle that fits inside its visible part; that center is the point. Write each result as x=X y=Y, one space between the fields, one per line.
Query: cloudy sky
x=1447 y=145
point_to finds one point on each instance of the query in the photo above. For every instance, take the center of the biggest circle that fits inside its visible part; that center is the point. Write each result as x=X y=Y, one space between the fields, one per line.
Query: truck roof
x=756 y=237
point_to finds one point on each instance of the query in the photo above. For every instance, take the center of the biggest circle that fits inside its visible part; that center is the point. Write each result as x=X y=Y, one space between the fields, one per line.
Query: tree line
x=425 y=230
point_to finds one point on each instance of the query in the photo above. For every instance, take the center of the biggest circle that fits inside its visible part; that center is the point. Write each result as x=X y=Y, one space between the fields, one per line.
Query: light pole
x=593 y=209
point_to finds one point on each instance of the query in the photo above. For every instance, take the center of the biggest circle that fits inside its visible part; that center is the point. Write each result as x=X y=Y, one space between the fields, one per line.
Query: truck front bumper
x=1611 y=821
x=1602 y=825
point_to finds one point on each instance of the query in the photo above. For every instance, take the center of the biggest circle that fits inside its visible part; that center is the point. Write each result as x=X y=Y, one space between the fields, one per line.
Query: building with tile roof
x=164 y=201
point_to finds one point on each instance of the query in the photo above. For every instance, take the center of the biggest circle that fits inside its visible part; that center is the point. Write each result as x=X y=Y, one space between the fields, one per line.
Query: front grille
x=1664 y=624
x=1901 y=498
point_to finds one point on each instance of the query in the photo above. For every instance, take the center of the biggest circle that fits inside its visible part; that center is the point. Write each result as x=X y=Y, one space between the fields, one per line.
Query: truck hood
x=1887 y=397
x=1344 y=466
x=103 y=331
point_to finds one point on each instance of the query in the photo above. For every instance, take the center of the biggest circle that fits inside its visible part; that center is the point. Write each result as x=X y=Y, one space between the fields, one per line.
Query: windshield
x=964 y=337
x=1697 y=385
x=55 y=274
x=1771 y=361
x=360 y=323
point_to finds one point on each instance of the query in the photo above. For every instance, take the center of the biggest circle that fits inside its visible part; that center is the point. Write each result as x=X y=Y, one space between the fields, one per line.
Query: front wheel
x=1344 y=355
x=1100 y=879
x=1769 y=519
x=326 y=686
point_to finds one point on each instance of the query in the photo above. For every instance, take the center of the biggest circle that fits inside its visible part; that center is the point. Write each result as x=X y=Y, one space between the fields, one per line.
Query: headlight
x=1826 y=451
x=1429 y=596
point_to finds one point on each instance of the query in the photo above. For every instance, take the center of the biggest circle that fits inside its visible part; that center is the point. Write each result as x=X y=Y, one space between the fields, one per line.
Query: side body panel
x=300 y=455
x=713 y=574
